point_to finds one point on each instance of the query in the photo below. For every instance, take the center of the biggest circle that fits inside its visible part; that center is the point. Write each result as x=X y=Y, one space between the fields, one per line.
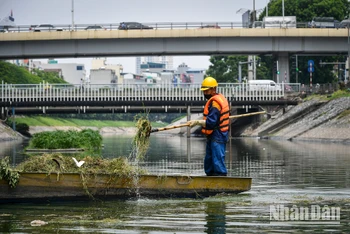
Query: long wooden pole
x=188 y=124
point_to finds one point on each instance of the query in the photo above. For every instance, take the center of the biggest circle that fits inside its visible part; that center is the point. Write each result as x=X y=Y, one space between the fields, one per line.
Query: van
x=263 y=85
x=323 y=22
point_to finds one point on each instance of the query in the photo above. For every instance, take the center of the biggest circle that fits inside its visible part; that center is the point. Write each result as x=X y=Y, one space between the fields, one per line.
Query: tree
x=14 y=74
x=225 y=68
x=305 y=10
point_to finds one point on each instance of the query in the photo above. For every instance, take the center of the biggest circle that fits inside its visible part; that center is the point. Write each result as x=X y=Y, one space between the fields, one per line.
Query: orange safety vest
x=224 y=113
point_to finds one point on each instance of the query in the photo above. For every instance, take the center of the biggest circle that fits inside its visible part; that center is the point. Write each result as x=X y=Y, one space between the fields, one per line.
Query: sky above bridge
x=30 y=12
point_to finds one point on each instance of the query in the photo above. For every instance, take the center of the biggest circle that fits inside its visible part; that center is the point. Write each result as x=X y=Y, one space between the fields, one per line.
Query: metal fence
x=136 y=92
x=152 y=25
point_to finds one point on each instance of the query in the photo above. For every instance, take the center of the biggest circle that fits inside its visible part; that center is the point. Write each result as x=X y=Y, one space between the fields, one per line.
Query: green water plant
x=87 y=139
x=141 y=140
x=7 y=173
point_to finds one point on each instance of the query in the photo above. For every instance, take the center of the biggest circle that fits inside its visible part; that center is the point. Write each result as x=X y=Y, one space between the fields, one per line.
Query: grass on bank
x=329 y=97
x=49 y=121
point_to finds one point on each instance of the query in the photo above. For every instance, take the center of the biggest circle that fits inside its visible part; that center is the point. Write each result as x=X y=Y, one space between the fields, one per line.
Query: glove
x=196 y=122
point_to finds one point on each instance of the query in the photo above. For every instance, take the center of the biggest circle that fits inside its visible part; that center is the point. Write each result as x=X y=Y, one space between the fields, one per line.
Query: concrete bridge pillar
x=283 y=68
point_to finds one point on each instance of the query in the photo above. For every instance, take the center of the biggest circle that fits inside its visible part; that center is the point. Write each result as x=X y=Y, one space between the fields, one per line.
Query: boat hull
x=70 y=186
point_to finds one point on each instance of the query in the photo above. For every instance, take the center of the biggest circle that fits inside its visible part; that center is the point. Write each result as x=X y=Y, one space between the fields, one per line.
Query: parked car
x=95 y=27
x=45 y=27
x=344 y=23
x=210 y=26
x=132 y=25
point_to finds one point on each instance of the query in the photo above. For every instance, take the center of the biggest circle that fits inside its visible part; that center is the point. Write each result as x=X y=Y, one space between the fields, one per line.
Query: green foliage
x=225 y=68
x=141 y=140
x=87 y=139
x=50 y=77
x=22 y=128
x=7 y=173
x=13 y=74
x=339 y=94
x=305 y=10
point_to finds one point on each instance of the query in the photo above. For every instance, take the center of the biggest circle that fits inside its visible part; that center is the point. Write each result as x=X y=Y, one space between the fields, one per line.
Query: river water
x=288 y=177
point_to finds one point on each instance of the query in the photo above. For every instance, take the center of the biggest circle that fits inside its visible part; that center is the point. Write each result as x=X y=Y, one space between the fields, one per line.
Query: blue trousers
x=214 y=161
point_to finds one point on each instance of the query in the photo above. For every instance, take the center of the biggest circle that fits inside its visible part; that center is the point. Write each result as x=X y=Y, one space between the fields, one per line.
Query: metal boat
x=42 y=187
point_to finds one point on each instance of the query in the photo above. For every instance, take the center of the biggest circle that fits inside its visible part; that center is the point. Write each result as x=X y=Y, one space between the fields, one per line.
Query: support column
x=283 y=67
x=188 y=119
x=13 y=119
x=250 y=68
x=189 y=135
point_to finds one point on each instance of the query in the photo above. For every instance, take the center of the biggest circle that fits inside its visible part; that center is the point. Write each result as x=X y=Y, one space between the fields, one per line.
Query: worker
x=215 y=126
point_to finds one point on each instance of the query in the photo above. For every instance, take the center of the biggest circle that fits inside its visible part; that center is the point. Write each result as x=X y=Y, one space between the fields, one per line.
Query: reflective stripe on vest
x=224 y=113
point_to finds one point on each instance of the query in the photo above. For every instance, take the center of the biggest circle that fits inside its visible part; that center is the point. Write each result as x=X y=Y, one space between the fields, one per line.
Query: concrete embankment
x=310 y=120
x=7 y=134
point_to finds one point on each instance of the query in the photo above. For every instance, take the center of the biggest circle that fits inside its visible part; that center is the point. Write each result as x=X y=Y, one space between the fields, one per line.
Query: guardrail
x=157 y=25
x=137 y=92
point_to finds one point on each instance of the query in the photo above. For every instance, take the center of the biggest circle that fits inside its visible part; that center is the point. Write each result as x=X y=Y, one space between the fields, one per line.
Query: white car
x=45 y=27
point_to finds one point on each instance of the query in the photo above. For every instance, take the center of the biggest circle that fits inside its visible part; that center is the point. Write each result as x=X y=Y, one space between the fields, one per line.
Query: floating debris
x=38 y=223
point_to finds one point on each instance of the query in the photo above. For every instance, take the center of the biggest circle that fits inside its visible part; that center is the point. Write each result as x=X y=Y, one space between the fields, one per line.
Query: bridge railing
x=132 y=92
x=154 y=25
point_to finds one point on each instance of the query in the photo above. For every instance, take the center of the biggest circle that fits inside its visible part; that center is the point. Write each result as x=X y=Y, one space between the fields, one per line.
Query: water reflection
x=283 y=172
x=215 y=217
x=13 y=150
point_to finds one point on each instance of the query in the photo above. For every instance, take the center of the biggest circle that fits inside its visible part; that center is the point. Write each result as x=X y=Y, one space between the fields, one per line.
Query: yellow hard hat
x=208 y=83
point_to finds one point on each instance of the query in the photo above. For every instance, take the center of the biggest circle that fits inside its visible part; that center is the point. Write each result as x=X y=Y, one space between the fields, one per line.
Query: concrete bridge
x=165 y=97
x=279 y=42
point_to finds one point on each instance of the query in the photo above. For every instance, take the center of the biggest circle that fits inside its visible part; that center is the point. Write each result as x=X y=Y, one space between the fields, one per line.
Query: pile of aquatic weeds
x=141 y=140
x=58 y=163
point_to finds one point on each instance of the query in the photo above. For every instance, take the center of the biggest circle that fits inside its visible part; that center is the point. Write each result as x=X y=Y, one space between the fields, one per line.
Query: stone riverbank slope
x=7 y=134
x=310 y=120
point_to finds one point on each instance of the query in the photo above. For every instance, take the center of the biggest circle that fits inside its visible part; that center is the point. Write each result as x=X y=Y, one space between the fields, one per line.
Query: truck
x=279 y=22
x=6 y=23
